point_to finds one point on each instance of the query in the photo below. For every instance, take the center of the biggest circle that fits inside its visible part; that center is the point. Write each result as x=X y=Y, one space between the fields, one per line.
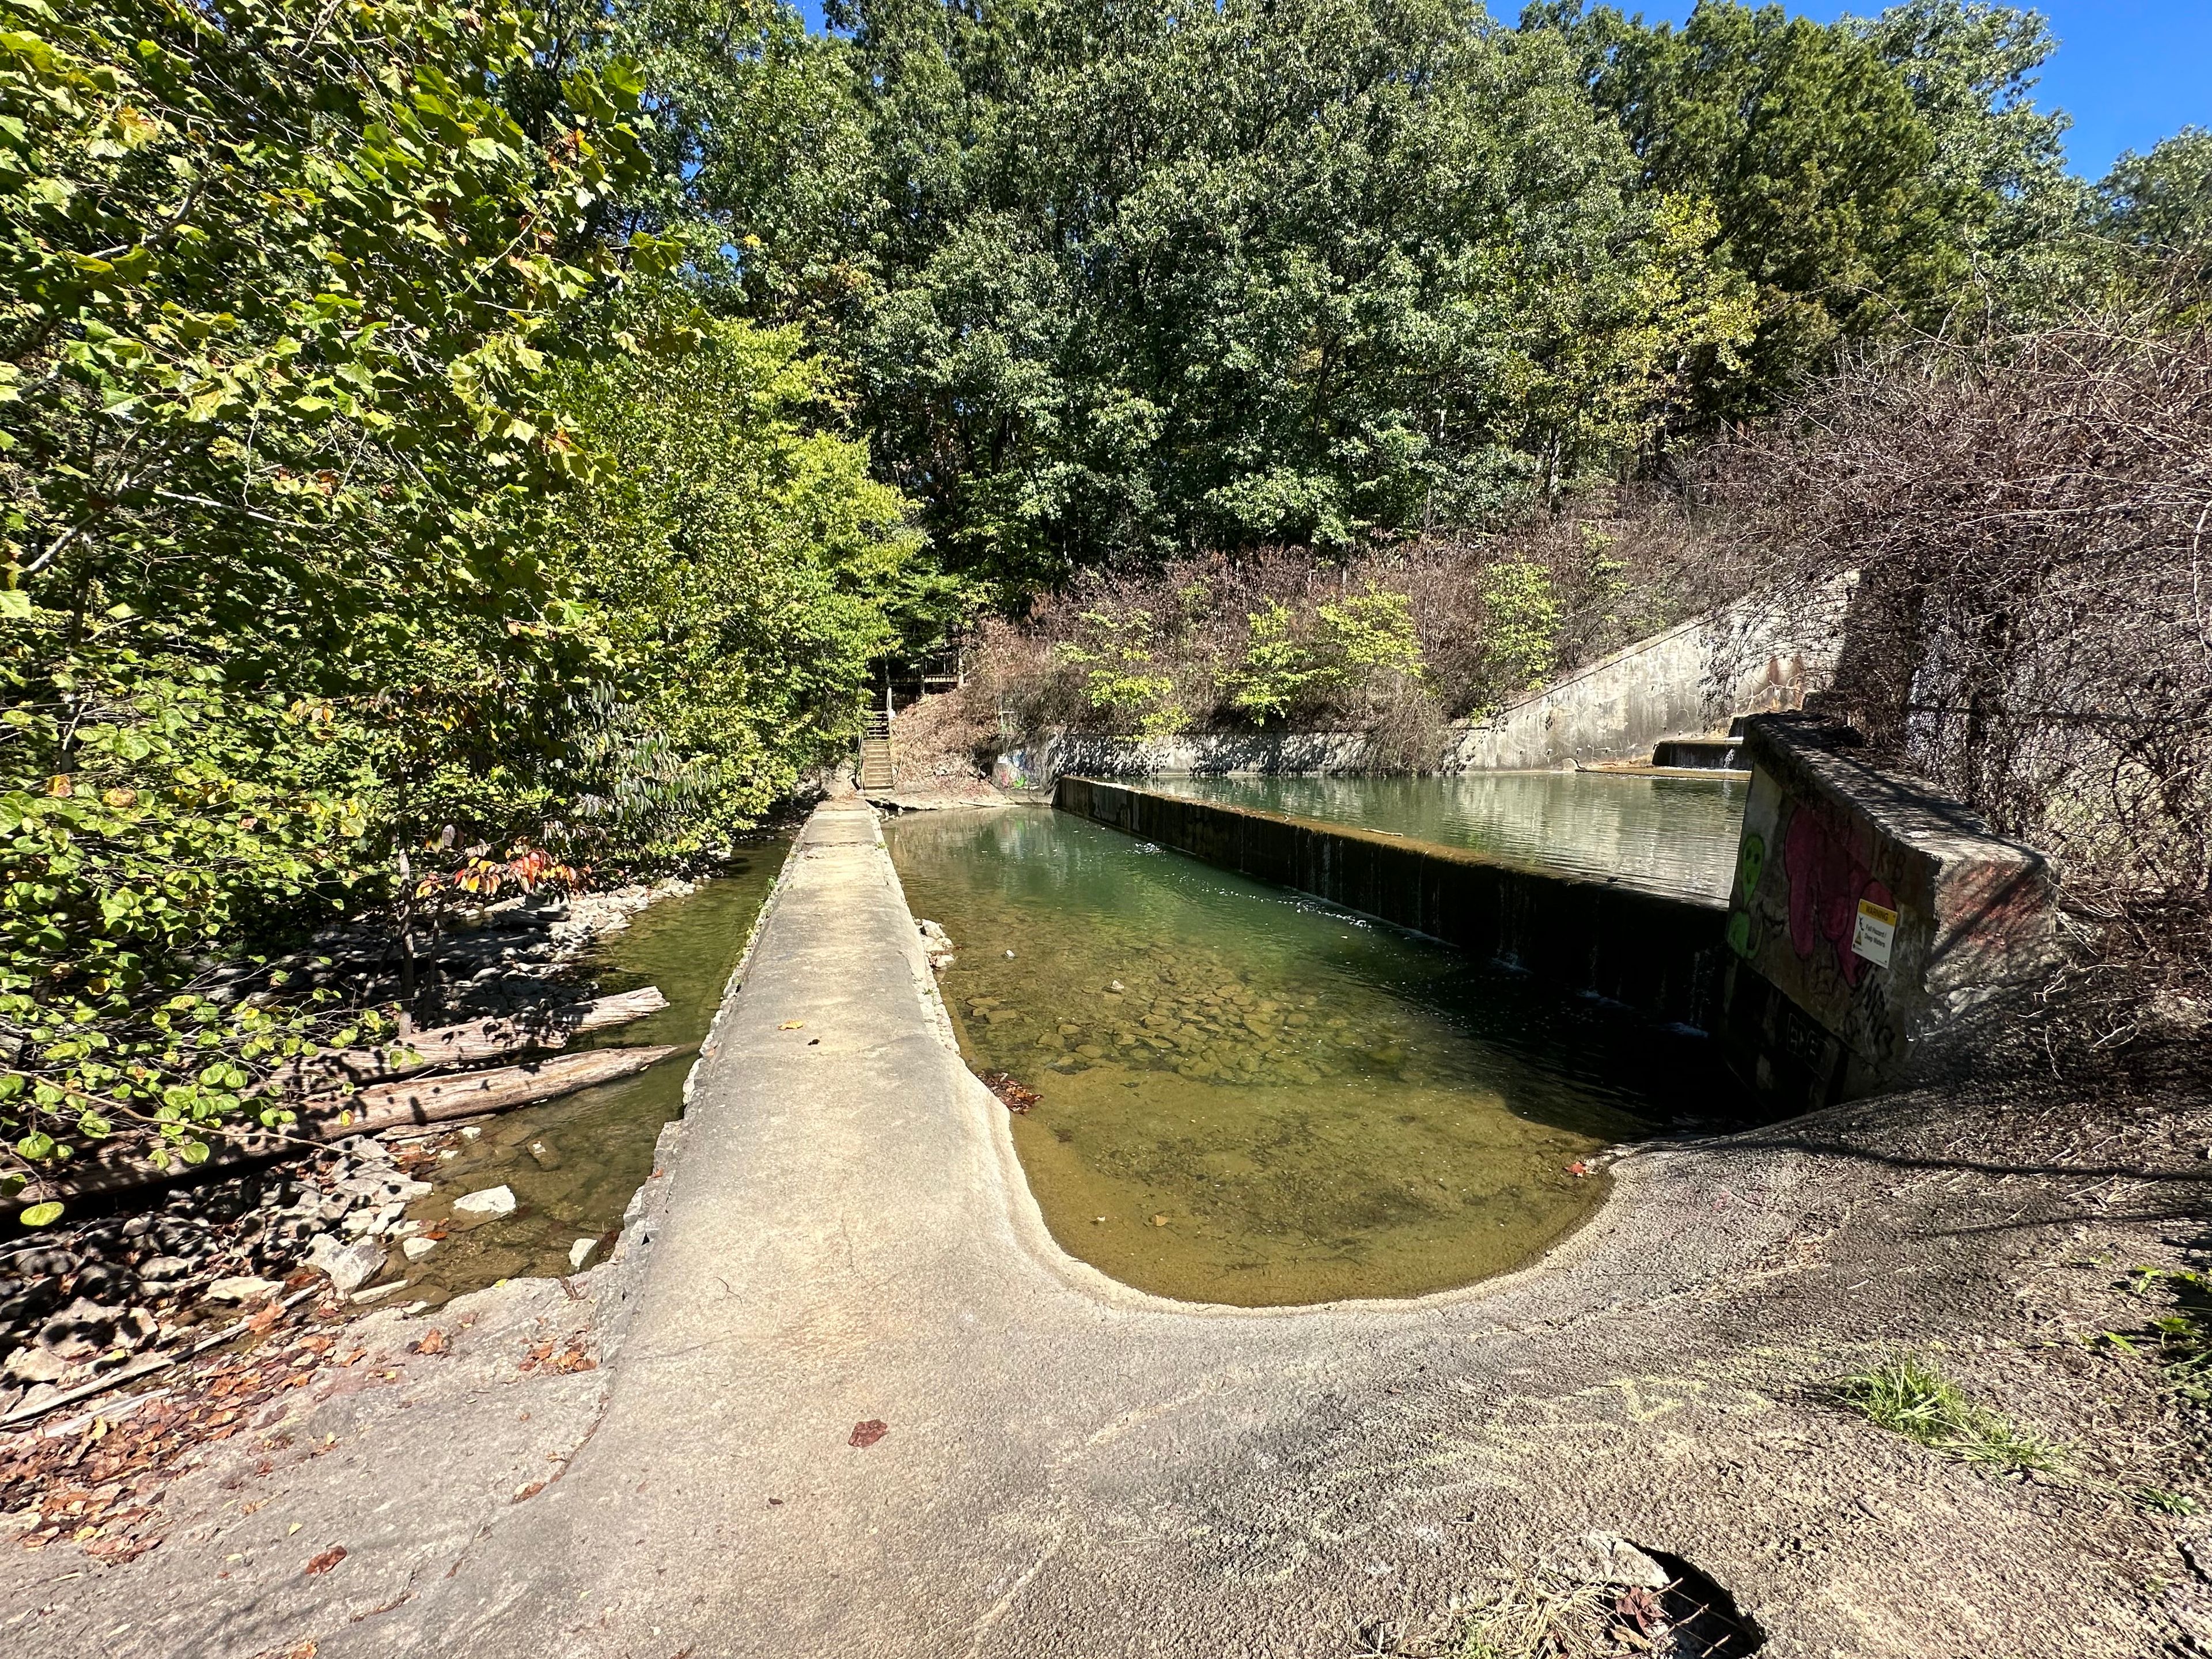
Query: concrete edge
x=1035 y=1241
x=625 y=1264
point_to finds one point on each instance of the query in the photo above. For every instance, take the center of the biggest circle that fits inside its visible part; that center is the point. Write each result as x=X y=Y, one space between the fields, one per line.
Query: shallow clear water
x=1248 y=1097
x=595 y=1147
x=1678 y=835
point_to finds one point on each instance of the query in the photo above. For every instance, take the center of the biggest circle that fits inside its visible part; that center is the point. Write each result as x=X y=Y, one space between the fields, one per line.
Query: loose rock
x=350 y=1266
x=1605 y=1557
x=242 y=1287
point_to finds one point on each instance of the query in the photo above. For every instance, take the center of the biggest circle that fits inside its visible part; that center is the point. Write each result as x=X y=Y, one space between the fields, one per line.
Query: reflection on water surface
x=1678 y=835
x=1250 y=1097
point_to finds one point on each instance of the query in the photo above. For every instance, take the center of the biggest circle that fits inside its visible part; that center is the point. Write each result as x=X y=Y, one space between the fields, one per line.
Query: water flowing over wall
x=1660 y=953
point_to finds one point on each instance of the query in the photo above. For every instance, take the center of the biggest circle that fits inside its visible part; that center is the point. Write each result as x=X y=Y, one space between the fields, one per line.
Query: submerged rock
x=491 y=1201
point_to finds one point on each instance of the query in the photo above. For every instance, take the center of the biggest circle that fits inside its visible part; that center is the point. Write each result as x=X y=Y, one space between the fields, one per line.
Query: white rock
x=492 y=1200
x=379 y=1291
x=34 y=1364
x=408 y=1191
x=165 y=1267
x=244 y=1287
x=350 y=1266
x=581 y=1252
x=416 y=1248
x=1605 y=1557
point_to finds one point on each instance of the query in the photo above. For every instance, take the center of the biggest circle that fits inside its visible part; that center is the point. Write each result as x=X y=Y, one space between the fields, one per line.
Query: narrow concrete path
x=1070 y=1468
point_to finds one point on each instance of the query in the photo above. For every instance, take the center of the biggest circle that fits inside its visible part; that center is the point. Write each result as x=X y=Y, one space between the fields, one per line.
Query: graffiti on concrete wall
x=1828 y=885
x=1811 y=914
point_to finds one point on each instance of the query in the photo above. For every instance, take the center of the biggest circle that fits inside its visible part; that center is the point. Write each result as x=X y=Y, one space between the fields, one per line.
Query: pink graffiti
x=1826 y=883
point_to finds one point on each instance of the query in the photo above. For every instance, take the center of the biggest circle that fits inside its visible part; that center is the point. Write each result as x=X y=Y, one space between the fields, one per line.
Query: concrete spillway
x=1661 y=953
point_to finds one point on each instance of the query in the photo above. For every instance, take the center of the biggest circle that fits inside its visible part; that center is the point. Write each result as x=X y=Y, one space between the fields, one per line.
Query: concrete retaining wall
x=1660 y=954
x=1758 y=655
x=1875 y=929
x=1761 y=654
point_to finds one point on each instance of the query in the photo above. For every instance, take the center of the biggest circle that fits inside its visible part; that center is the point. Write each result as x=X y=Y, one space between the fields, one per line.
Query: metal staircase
x=876 y=775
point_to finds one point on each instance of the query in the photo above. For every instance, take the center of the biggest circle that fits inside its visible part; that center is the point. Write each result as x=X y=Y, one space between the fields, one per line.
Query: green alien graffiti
x=1750 y=865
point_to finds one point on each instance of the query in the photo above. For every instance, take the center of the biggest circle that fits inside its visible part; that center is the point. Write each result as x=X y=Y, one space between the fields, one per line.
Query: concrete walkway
x=1071 y=1470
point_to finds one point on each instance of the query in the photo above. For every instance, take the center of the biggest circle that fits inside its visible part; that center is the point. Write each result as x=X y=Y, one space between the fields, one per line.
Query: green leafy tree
x=1280 y=671
x=735 y=571
x=2163 y=199
x=2020 y=216
x=1313 y=664
x=278 y=292
x=1521 y=617
x=1115 y=650
x=1806 y=140
x=1149 y=281
x=756 y=130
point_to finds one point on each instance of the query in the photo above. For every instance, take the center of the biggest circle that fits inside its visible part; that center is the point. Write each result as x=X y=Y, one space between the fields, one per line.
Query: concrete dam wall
x=1660 y=953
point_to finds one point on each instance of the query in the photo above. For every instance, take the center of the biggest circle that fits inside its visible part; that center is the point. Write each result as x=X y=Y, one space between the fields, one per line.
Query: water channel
x=1248 y=1096
x=1674 y=835
x=573 y=1163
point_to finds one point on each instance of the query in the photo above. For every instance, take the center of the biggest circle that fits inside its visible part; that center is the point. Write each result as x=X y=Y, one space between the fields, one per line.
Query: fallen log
x=465 y=1045
x=473 y=1094
x=385 y=1106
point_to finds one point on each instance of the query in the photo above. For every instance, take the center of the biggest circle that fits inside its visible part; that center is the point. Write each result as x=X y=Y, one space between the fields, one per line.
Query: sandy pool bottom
x=1246 y=1096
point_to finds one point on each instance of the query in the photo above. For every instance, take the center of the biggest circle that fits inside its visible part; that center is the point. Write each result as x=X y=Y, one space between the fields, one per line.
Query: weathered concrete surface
x=1761 y=654
x=1072 y=1471
x=1870 y=920
x=1038 y=764
x=1656 y=950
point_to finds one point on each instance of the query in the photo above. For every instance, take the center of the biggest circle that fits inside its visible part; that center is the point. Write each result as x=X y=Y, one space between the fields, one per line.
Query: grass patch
x=2157 y=1501
x=2184 y=1336
x=1537 y=1619
x=1907 y=1395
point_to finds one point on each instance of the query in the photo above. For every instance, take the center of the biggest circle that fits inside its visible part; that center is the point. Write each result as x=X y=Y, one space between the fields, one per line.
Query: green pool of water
x=1675 y=835
x=1248 y=1096
x=595 y=1147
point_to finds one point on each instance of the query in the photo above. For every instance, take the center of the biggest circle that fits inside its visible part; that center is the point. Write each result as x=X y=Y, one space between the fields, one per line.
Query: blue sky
x=2130 y=72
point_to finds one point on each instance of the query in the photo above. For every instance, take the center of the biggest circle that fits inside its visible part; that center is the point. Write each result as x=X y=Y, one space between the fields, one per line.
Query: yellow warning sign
x=1876 y=934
